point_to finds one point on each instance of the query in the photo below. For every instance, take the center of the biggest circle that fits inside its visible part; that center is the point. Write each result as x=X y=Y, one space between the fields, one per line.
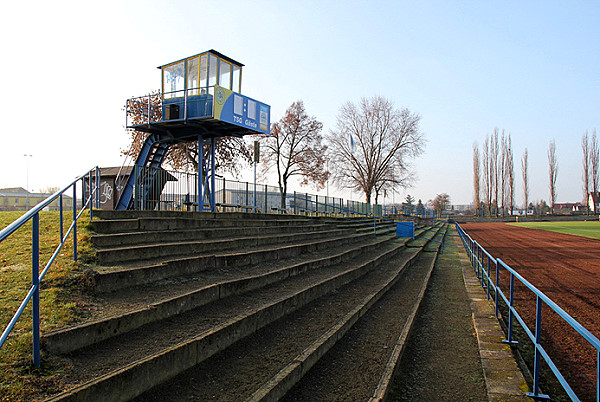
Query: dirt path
x=567 y=269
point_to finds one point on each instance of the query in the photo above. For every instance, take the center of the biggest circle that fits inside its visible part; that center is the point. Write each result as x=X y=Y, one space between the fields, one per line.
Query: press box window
x=173 y=80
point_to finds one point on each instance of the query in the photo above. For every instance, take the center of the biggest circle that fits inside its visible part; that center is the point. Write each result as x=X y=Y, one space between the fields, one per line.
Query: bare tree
x=372 y=144
x=553 y=171
x=487 y=175
x=440 y=203
x=510 y=175
x=594 y=163
x=494 y=156
x=502 y=172
x=294 y=149
x=476 y=178
x=524 y=173
x=585 y=175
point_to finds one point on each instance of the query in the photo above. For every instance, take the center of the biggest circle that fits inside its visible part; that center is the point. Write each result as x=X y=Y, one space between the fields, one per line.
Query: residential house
x=594 y=201
x=19 y=199
x=567 y=208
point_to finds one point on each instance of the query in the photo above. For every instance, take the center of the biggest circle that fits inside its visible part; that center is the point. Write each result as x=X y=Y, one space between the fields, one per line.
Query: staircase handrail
x=93 y=175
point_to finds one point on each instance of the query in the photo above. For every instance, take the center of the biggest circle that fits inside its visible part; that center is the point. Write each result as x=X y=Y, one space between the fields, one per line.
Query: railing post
x=90 y=195
x=75 y=221
x=510 y=309
x=488 y=277
x=481 y=268
x=98 y=181
x=536 y=364
x=496 y=296
x=60 y=214
x=35 y=281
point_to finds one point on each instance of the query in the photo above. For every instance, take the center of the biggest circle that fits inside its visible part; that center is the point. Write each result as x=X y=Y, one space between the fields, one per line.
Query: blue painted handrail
x=93 y=176
x=478 y=255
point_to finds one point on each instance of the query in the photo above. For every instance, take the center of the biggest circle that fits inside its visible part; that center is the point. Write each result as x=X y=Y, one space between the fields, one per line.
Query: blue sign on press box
x=405 y=229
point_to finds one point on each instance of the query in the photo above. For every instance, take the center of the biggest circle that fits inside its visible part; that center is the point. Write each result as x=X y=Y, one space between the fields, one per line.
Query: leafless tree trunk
x=525 y=176
x=494 y=155
x=585 y=148
x=510 y=175
x=487 y=175
x=553 y=171
x=595 y=164
x=476 y=178
x=502 y=169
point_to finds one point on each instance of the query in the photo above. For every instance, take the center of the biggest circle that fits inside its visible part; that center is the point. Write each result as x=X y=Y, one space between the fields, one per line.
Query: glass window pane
x=203 y=71
x=212 y=70
x=192 y=76
x=173 y=80
x=251 y=109
x=237 y=75
x=225 y=74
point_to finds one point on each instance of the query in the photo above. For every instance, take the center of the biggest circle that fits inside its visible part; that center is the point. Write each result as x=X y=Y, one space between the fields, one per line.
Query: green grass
x=587 y=229
x=62 y=300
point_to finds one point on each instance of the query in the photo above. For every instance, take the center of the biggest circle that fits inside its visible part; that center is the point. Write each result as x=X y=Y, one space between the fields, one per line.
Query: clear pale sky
x=531 y=68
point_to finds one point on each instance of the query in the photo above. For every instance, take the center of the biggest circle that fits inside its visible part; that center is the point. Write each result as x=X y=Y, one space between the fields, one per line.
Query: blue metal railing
x=482 y=262
x=93 y=197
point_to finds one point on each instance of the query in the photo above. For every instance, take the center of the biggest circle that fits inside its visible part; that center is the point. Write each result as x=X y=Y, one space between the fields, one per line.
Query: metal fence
x=488 y=270
x=170 y=190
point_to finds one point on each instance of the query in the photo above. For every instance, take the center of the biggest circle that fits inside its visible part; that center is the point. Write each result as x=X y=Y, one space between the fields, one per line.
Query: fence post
x=266 y=202
x=510 y=310
x=35 y=281
x=98 y=181
x=488 y=277
x=295 y=204
x=90 y=192
x=497 y=287
x=536 y=364
x=60 y=214
x=74 y=221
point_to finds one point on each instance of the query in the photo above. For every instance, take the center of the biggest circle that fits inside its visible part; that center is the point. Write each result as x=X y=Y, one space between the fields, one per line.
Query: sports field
x=587 y=229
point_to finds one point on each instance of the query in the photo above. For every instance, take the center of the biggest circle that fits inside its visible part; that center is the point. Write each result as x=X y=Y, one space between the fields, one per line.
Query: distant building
x=594 y=201
x=19 y=199
x=567 y=208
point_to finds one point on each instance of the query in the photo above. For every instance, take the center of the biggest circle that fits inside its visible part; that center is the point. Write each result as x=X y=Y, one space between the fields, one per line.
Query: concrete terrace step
x=371 y=348
x=152 y=304
x=107 y=279
x=125 y=366
x=174 y=235
x=309 y=333
x=165 y=249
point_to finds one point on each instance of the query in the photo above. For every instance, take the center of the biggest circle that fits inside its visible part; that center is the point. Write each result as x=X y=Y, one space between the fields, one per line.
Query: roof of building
x=21 y=192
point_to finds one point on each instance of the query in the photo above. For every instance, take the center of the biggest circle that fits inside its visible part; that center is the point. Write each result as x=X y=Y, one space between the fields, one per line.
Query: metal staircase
x=147 y=165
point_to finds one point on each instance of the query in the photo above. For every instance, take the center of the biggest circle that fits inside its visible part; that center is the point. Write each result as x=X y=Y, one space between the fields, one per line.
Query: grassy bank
x=62 y=299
